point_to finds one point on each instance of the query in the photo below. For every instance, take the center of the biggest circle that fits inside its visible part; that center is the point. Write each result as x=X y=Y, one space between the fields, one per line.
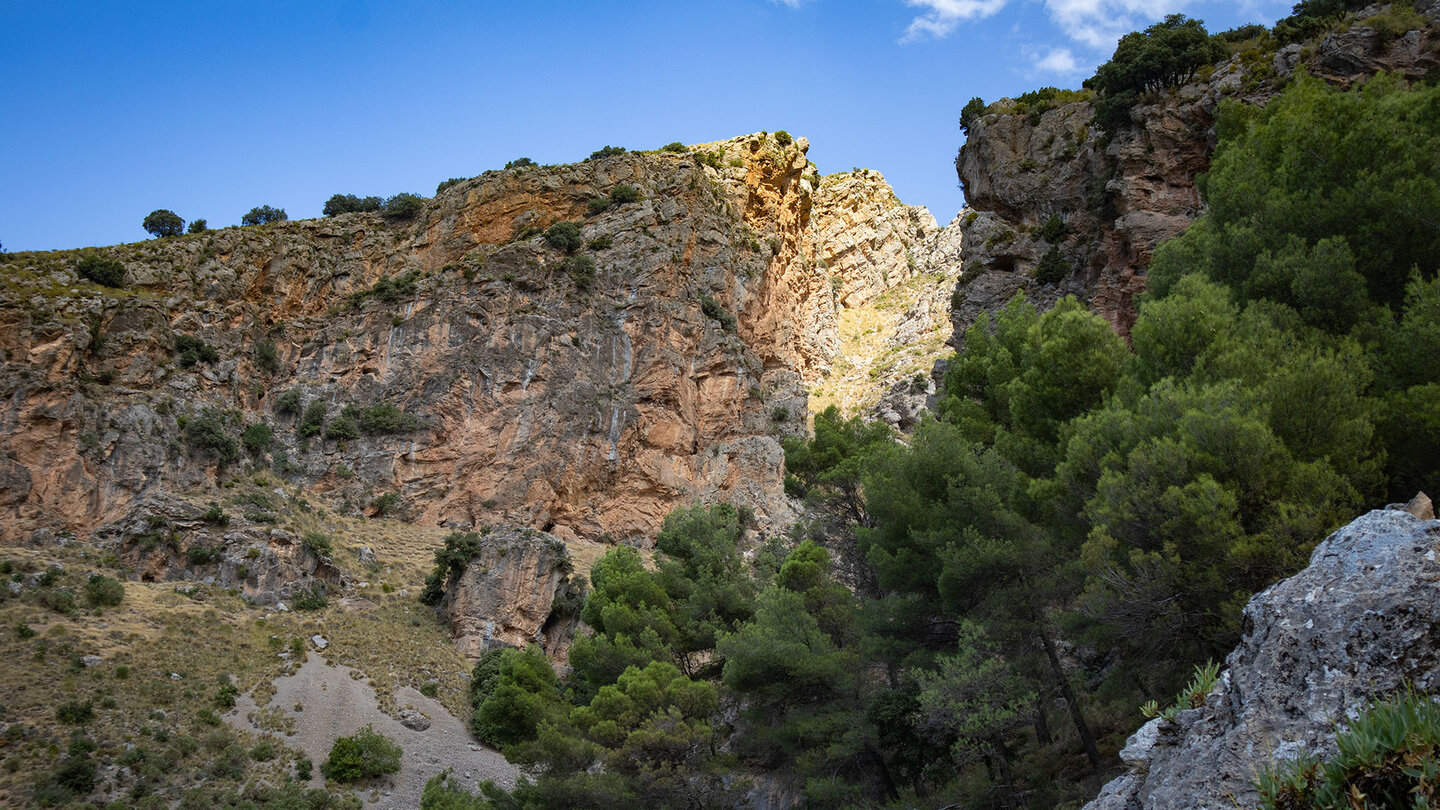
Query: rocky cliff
x=1114 y=196
x=458 y=368
x=1358 y=624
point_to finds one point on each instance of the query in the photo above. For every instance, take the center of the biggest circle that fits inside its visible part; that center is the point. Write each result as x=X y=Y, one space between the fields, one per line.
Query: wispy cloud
x=1096 y=24
x=789 y=3
x=943 y=16
x=1057 y=61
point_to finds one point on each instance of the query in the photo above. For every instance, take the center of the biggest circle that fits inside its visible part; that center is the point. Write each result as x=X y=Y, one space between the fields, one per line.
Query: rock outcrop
x=516 y=591
x=1119 y=199
x=587 y=400
x=1362 y=621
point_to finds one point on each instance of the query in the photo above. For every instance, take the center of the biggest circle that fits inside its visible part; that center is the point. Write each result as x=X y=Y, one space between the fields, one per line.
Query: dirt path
x=336 y=701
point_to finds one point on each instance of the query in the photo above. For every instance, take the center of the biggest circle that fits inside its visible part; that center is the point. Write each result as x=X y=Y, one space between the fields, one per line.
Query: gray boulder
x=1360 y=622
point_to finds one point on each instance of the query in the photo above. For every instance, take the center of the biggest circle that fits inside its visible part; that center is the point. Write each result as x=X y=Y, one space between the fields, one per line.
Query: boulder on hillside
x=1361 y=622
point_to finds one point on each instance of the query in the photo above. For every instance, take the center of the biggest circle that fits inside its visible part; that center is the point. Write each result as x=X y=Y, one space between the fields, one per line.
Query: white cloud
x=1058 y=61
x=1099 y=24
x=789 y=3
x=944 y=15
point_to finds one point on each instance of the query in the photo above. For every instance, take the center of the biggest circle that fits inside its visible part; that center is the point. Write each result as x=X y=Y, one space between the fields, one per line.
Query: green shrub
x=564 y=236
x=303 y=769
x=1054 y=229
x=202 y=555
x=366 y=755
x=444 y=184
x=601 y=242
x=622 y=194
x=1052 y=268
x=257 y=438
x=207 y=432
x=780 y=414
x=191 y=350
x=163 y=222
x=519 y=163
x=459 y=549
x=310 y=599
x=783 y=138
x=386 y=504
x=288 y=402
x=75 y=775
x=313 y=421
x=430 y=689
x=317 y=544
x=263 y=751
x=342 y=428
x=581 y=270
x=605 y=152
x=24 y=631
x=597 y=205
x=267 y=356
x=389 y=289
x=676 y=147
x=1389 y=756
x=349 y=203
x=215 y=516
x=970 y=113
x=75 y=712
x=717 y=313
x=404 y=206
x=383 y=418
x=715 y=160
x=198 y=226
x=102 y=270
x=263 y=215
x=226 y=693
x=103 y=591
x=60 y=600
x=1167 y=54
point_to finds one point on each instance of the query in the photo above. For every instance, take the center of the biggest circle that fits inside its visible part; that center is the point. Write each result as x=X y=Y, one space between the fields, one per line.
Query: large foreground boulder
x=1360 y=622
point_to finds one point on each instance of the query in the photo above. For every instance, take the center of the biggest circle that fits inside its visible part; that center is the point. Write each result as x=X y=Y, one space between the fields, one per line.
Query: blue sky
x=114 y=109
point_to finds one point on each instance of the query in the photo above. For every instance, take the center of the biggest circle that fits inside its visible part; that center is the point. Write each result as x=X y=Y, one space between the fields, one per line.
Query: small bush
x=313 y=421
x=163 y=222
x=102 y=270
x=717 y=313
x=597 y=205
x=366 y=755
x=1052 y=268
x=674 y=146
x=215 y=516
x=267 y=356
x=225 y=694
x=780 y=414
x=404 y=206
x=263 y=751
x=263 y=215
x=564 y=236
x=317 y=544
x=312 y=599
x=519 y=163
x=342 y=428
x=191 y=350
x=24 y=631
x=207 y=432
x=783 y=138
x=303 y=769
x=198 y=226
x=288 y=402
x=605 y=152
x=386 y=504
x=103 y=591
x=75 y=712
x=60 y=600
x=444 y=184
x=601 y=242
x=257 y=438
x=202 y=555
x=581 y=270
x=389 y=289
x=622 y=194
x=383 y=418
x=430 y=689
x=1054 y=229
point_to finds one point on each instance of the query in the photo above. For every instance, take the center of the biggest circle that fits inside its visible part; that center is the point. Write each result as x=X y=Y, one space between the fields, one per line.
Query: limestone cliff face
x=1119 y=200
x=507 y=594
x=1355 y=626
x=541 y=396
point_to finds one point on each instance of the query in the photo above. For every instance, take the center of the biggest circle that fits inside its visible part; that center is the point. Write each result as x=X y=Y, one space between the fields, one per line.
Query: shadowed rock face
x=1358 y=624
x=1122 y=199
x=542 y=397
x=507 y=594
